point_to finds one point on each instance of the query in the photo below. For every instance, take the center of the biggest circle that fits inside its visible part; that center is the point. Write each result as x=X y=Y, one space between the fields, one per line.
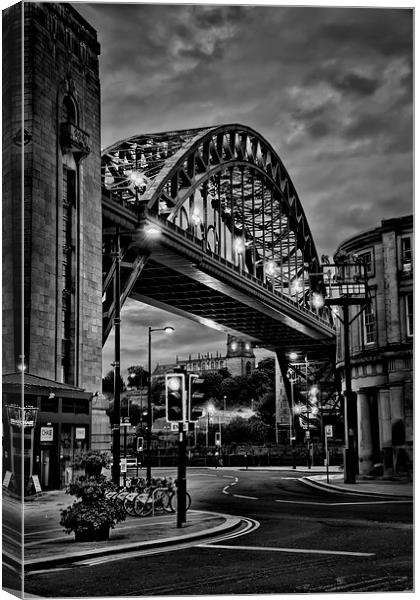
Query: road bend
x=293 y=539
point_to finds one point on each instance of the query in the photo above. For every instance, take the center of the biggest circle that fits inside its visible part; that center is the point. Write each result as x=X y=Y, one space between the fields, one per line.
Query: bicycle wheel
x=166 y=501
x=158 y=501
x=174 y=501
x=143 y=505
x=129 y=504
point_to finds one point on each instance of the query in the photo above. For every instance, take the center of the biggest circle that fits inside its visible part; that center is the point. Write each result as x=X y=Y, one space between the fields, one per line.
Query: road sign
x=123 y=465
x=328 y=431
x=307 y=435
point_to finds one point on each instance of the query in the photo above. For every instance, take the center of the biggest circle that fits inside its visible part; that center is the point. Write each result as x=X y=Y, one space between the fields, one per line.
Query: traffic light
x=195 y=397
x=175 y=397
x=139 y=444
x=314 y=400
x=217 y=438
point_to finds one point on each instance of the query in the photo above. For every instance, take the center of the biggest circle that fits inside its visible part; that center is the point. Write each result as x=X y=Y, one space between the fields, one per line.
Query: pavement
x=48 y=547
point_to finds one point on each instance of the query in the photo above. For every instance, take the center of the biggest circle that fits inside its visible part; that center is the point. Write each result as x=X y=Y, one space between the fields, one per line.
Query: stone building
x=52 y=252
x=239 y=360
x=381 y=346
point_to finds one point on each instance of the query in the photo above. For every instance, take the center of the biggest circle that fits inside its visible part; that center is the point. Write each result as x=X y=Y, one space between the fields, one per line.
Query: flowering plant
x=83 y=517
x=92 y=461
x=92 y=510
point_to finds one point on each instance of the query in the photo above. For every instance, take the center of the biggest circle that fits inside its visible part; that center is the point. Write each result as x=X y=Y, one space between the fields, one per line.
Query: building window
x=369 y=325
x=406 y=254
x=366 y=258
x=49 y=404
x=409 y=314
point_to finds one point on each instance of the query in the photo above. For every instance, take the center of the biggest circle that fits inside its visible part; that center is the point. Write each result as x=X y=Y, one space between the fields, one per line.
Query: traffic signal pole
x=182 y=475
x=116 y=453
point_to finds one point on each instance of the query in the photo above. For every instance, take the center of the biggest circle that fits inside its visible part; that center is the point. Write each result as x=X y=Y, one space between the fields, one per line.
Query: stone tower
x=52 y=248
x=240 y=358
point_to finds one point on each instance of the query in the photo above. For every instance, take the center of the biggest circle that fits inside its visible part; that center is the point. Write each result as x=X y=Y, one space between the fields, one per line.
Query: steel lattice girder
x=227 y=187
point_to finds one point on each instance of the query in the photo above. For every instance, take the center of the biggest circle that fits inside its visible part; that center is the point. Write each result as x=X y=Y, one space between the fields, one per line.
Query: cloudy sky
x=330 y=88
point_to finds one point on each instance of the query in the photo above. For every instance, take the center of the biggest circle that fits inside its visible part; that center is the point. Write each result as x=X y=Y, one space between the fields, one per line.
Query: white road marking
x=390 y=501
x=303 y=502
x=225 y=489
x=246 y=497
x=293 y=550
x=372 y=502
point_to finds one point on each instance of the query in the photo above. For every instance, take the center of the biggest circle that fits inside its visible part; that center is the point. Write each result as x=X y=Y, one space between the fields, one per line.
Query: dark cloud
x=329 y=88
x=356 y=84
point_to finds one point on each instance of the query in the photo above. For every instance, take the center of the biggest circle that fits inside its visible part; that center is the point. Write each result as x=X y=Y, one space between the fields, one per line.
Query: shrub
x=92 y=510
x=92 y=461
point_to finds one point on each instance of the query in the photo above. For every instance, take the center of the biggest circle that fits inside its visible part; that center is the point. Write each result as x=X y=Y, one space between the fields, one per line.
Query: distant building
x=239 y=360
x=381 y=346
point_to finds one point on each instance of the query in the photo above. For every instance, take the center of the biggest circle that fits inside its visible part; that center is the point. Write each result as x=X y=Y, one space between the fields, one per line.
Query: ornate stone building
x=239 y=360
x=52 y=250
x=381 y=342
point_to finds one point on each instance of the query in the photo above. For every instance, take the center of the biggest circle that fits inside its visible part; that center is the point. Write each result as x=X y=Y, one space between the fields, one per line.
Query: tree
x=108 y=383
x=237 y=431
x=138 y=377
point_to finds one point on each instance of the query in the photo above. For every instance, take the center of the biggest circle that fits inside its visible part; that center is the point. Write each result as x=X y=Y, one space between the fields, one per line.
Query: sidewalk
x=399 y=488
x=133 y=534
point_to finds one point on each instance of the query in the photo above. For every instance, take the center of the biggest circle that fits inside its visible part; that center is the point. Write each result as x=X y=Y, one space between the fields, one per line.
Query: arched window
x=69 y=114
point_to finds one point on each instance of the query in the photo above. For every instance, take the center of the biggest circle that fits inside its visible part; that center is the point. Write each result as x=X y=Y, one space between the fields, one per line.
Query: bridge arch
x=228 y=188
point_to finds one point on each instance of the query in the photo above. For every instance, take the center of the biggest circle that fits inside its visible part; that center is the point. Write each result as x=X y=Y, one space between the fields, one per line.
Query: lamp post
x=167 y=329
x=117 y=351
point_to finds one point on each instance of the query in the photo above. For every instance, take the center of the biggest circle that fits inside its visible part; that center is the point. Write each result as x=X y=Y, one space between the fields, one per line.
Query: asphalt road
x=295 y=539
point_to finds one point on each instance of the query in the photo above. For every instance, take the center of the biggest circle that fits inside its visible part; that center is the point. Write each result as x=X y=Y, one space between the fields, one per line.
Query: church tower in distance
x=240 y=358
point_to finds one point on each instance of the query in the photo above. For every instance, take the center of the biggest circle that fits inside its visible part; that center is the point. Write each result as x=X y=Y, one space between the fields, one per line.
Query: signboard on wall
x=80 y=433
x=47 y=434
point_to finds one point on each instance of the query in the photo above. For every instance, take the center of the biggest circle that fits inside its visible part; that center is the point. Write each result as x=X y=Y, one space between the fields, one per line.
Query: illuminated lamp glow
x=293 y=356
x=137 y=179
x=152 y=230
x=270 y=267
x=317 y=300
x=196 y=217
x=238 y=245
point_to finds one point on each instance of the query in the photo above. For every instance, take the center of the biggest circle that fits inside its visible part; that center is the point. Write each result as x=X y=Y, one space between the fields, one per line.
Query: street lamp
x=167 y=329
x=210 y=411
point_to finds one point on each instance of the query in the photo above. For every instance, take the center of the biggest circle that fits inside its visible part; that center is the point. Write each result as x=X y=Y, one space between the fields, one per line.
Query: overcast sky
x=329 y=88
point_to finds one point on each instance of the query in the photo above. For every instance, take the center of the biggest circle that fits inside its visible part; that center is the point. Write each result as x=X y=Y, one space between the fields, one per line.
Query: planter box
x=93 y=535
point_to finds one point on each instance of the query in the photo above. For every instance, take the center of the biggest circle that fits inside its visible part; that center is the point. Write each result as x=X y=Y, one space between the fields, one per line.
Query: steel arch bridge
x=211 y=227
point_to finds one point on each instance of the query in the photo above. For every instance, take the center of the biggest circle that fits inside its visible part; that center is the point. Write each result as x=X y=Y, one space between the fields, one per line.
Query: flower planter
x=93 y=535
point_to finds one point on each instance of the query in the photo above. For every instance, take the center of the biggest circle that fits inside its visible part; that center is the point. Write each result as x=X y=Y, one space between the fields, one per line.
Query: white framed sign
x=328 y=431
x=80 y=433
x=47 y=434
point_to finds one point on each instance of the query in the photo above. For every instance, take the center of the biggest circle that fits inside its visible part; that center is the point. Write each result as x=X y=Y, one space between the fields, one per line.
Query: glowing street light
x=317 y=300
x=238 y=245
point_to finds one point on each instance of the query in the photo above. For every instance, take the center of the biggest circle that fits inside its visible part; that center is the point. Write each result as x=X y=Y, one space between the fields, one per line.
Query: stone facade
x=381 y=343
x=239 y=360
x=52 y=155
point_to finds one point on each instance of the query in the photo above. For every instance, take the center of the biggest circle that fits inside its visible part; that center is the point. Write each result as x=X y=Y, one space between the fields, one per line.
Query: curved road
x=298 y=539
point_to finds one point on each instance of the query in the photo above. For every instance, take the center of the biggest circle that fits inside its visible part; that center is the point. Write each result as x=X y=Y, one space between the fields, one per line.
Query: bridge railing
x=321 y=317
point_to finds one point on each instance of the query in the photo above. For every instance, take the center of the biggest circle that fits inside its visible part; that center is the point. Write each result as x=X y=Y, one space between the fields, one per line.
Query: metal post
x=308 y=435
x=182 y=478
x=349 y=425
x=125 y=454
x=149 y=413
x=327 y=463
x=117 y=349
